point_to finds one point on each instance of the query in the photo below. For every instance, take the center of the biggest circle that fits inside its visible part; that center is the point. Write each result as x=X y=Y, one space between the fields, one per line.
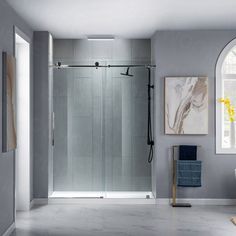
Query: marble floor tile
x=125 y=220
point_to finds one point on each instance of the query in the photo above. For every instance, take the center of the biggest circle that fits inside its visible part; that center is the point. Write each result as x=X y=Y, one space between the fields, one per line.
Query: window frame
x=219 y=106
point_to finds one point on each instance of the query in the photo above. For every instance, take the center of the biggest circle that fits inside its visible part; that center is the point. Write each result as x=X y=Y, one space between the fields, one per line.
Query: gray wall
x=86 y=98
x=42 y=113
x=8 y=18
x=185 y=53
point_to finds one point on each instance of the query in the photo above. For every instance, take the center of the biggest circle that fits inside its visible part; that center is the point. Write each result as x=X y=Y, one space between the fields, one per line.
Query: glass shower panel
x=100 y=130
x=125 y=130
x=78 y=151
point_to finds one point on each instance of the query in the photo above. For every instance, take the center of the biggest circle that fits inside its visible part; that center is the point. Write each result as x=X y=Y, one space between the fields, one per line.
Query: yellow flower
x=221 y=100
x=227 y=102
x=230 y=108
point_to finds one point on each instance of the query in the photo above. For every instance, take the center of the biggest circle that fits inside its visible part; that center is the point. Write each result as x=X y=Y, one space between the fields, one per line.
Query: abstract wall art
x=8 y=102
x=186 y=105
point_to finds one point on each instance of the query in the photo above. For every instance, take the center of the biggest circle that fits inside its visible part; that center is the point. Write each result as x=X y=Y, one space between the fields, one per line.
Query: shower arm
x=59 y=65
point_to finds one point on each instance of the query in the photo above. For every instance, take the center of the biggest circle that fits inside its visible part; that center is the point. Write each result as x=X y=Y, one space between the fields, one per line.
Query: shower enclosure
x=100 y=131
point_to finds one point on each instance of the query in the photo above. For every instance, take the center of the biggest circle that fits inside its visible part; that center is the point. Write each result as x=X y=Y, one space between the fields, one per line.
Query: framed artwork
x=186 y=105
x=8 y=102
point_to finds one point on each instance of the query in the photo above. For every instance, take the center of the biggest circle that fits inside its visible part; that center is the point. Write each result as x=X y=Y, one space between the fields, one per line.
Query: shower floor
x=112 y=194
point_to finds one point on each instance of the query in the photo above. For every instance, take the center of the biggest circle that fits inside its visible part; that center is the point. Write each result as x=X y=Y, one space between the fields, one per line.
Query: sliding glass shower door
x=78 y=149
x=100 y=131
x=125 y=130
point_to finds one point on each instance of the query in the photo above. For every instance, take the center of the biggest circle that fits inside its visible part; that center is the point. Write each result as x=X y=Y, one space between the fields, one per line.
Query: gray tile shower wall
x=90 y=104
x=43 y=106
x=82 y=50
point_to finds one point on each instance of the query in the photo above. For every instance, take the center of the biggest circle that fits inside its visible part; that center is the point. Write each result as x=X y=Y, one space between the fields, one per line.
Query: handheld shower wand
x=150 y=140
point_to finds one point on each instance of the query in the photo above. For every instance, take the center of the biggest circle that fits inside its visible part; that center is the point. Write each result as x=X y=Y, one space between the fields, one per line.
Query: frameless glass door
x=78 y=155
x=125 y=130
x=101 y=131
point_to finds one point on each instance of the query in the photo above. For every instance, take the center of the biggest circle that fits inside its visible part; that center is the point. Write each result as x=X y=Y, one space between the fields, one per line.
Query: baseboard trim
x=9 y=230
x=31 y=203
x=39 y=201
x=200 y=201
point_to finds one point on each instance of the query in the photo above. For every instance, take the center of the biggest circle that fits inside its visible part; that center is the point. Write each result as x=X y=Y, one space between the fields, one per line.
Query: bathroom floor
x=125 y=220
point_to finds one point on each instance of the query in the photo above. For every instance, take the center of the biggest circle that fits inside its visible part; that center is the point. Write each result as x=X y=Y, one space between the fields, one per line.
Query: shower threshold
x=102 y=195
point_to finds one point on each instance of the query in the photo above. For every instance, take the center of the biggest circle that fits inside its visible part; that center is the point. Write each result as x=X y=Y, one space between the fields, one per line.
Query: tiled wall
x=43 y=79
x=101 y=117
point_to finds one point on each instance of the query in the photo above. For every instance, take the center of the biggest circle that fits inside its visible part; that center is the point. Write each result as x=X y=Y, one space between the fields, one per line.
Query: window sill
x=226 y=151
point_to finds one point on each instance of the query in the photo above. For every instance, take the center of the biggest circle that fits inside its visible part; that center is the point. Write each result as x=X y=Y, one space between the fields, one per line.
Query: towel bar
x=174 y=182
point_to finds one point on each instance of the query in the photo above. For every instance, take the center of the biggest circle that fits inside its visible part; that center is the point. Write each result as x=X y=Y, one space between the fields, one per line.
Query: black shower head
x=127 y=73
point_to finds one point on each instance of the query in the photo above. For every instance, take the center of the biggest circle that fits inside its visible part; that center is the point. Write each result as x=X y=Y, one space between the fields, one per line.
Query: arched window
x=226 y=89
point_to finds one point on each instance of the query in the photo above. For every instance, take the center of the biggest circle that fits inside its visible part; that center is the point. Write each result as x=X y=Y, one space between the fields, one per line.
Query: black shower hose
x=150 y=140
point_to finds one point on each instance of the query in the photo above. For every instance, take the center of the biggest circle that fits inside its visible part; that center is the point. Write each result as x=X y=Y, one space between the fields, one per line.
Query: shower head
x=127 y=73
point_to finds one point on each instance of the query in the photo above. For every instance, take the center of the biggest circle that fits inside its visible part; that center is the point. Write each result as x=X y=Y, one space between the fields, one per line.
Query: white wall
x=23 y=124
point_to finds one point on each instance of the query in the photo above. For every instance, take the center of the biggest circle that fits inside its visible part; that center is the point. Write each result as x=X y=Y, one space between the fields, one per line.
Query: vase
x=232 y=135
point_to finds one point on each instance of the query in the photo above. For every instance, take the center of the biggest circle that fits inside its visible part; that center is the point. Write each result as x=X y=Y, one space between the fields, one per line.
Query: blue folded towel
x=189 y=173
x=187 y=152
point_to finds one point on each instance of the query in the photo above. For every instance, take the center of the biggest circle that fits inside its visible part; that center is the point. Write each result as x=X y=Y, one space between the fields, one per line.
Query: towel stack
x=188 y=167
